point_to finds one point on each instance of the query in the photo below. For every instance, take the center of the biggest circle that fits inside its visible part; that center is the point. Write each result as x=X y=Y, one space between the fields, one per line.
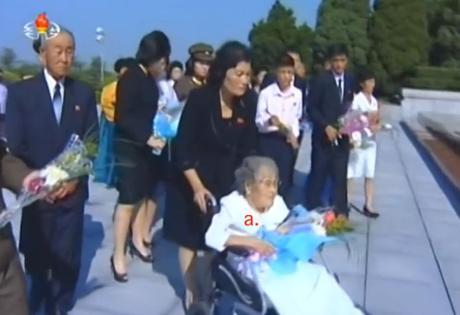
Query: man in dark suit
x=42 y=113
x=329 y=98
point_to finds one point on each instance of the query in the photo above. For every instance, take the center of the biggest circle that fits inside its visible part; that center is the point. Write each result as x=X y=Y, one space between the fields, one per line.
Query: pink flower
x=353 y=121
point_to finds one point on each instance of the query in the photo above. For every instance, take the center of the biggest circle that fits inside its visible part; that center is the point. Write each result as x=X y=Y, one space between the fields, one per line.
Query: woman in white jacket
x=255 y=204
x=363 y=156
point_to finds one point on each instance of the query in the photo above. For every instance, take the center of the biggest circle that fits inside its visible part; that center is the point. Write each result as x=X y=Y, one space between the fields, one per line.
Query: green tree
x=445 y=32
x=78 y=65
x=7 y=57
x=346 y=22
x=89 y=73
x=278 y=33
x=26 y=68
x=400 y=40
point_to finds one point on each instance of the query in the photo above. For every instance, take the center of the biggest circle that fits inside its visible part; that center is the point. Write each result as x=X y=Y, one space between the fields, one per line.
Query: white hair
x=249 y=170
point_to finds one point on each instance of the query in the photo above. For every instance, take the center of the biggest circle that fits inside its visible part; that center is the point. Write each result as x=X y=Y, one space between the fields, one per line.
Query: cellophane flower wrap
x=357 y=125
x=73 y=162
x=305 y=233
x=166 y=121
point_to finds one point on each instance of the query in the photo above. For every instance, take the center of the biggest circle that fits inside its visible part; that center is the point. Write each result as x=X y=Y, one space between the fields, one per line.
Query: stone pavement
x=406 y=262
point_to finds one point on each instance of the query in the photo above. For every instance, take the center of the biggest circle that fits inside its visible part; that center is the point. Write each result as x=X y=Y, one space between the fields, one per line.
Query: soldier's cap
x=202 y=52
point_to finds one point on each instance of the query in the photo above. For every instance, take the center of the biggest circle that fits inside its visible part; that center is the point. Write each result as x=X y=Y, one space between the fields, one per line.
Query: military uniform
x=13 y=298
x=198 y=52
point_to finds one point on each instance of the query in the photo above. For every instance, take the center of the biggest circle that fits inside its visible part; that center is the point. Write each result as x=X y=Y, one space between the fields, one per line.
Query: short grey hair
x=249 y=170
x=38 y=45
x=64 y=30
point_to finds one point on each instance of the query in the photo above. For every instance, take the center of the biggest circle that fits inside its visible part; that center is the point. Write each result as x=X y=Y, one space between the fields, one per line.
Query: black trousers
x=51 y=240
x=13 y=297
x=274 y=146
x=329 y=160
x=2 y=126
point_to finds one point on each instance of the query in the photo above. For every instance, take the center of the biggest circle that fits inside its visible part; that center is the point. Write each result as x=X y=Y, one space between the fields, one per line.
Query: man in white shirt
x=278 y=113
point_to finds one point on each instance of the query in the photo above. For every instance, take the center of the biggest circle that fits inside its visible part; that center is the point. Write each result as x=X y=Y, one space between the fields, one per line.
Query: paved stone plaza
x=405 y=263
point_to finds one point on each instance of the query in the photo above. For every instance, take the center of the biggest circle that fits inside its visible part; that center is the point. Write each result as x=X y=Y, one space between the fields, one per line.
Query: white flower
x=53 y=175
x=319 y=229
x=316 y=217
x=356 y=138
x=368 y=132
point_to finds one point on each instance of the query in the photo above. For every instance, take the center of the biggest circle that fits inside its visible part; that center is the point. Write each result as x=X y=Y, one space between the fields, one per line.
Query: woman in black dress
x=137 y=102
x=217 y=130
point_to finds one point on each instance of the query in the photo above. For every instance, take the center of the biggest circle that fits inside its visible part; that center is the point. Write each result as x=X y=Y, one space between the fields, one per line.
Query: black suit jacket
x=137 y=104
x=213 y=147
x=32 y=131
x=324 y=105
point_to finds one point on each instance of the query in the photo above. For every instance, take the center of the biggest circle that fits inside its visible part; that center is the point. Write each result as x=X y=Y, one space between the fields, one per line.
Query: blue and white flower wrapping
x=299 y=245
x=165 y=126
x=166 y=121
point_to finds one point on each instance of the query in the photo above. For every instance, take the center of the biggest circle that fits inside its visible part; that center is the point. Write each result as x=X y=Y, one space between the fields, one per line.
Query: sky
x=126 y=21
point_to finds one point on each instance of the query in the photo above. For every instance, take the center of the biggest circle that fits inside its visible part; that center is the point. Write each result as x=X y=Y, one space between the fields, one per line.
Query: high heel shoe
x=370 y=214
x=135 y=252
x=147 y=244
x=119 y=277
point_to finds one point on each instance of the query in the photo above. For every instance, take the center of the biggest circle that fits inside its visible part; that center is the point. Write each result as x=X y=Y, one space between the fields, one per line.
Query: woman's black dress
x=214 y=147
x=136 y=165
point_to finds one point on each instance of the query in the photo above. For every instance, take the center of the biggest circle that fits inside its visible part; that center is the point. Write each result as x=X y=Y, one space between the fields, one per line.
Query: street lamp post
x=100 y=36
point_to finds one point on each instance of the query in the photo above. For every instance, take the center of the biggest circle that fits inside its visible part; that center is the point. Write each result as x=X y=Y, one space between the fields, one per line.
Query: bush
x=11 y=76
x=435 y=78
x=438 y=72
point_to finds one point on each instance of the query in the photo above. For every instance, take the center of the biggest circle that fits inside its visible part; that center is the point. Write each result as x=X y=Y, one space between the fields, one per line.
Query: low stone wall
x=417 y=101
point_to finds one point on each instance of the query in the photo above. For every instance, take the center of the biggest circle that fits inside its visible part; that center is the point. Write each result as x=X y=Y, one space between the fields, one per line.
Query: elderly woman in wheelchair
x=254 y=207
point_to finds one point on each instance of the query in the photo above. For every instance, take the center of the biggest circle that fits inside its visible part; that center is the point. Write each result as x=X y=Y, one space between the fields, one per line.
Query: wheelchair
x=233 y=293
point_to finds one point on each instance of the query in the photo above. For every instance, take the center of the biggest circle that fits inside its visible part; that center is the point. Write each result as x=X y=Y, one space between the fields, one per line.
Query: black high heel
x=370 y=214
x=119 y=277
x=135 y=252
x=147 y=244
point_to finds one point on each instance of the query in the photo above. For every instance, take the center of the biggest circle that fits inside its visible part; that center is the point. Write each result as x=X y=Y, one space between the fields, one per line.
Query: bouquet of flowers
x=166 y=122
x=73 y=162
x=357 y=125
x=298 y=238
x=322 y=221
x=285 y=131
